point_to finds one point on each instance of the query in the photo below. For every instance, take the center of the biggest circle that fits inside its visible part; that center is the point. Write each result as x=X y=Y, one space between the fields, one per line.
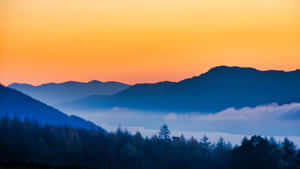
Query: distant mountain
x=219 y=88
x=55 y=93
x=15 y=104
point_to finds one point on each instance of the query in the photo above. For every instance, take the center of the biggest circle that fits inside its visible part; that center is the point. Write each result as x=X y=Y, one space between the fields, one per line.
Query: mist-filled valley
x=231 y=102
x=149 y=84
x=232 y=124
x=224 y=118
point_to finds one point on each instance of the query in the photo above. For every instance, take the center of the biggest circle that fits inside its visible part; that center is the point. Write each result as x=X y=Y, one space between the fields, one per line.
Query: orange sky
x=137 y=41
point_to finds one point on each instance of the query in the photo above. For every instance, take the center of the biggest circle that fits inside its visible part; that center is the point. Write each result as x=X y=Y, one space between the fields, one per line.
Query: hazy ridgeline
x=216 y=90
x=29 y=143
x=56 y=93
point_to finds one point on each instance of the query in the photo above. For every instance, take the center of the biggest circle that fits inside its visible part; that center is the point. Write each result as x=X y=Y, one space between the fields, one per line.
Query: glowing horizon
x=138 y=41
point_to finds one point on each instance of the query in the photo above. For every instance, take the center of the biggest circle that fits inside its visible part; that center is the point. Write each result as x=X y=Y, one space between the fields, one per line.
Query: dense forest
x=25 y=144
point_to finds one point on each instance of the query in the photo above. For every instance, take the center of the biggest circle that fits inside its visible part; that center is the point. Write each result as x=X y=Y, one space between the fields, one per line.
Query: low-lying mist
x=231 y=124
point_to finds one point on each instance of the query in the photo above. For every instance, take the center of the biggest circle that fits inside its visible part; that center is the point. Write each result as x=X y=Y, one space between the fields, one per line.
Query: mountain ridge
x=16 y=104
x=215 y=90
x=55 y=93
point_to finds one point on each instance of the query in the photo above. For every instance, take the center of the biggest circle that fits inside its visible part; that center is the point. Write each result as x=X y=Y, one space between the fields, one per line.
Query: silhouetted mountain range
x=219 y=88
x=55 y=93
x=15 y=104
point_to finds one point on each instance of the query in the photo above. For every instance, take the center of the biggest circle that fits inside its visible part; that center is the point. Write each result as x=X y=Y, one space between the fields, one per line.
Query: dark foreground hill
x=55 y=93
x=16 y=104
x=219 y=88
x=27 y=145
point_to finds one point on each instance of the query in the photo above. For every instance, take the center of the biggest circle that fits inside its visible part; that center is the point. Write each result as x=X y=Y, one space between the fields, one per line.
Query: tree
x=164 y=133
x=205 y=143
x=256 y=153
x=220 y=146
x=289 y=154
x=298 y=158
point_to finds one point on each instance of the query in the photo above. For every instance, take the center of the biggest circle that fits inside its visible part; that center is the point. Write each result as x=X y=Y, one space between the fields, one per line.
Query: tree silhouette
x=164 y=133
x=29 y=145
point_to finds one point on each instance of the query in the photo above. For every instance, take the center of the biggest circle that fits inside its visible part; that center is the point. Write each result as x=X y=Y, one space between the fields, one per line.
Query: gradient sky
x=137 y=41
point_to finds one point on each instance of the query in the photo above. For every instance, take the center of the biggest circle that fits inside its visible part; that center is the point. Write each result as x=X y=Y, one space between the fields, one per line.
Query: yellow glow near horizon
x=143 y=40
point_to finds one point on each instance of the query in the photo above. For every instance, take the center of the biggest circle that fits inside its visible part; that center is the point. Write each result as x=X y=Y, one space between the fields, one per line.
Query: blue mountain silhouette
x=219 y=88
x=55 y=93
x=16 y=104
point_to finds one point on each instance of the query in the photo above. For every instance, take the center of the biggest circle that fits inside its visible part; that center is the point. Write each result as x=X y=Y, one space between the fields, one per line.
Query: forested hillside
x=33 y=146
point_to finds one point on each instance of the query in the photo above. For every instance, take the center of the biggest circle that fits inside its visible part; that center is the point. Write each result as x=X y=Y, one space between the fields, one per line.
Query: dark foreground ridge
x=29 y=145
x=16 y=104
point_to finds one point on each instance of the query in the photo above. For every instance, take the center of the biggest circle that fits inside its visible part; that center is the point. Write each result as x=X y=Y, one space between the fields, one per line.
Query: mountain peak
x=224 y=68
x=19 y=84
x=220 y=88
x=95 y=82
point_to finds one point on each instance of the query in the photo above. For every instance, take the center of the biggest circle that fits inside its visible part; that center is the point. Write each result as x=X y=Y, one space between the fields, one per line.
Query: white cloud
x=263 y=112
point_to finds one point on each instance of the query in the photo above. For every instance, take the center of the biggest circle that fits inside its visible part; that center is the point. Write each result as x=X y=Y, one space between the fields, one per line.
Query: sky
x=137 y=41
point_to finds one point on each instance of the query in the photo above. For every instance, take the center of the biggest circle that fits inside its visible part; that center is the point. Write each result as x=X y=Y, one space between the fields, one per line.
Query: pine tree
x=164 y=133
